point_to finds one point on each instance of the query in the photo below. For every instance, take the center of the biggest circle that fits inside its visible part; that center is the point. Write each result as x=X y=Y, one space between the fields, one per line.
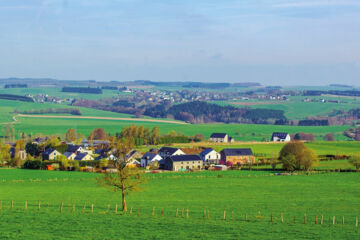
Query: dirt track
x=100 y=118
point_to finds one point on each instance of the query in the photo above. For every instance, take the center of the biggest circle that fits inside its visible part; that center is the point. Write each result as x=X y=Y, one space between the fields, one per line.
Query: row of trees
x=72 y=111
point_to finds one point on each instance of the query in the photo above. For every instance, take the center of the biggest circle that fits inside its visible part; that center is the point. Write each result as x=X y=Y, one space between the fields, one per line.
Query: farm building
x=210 y=156
x=148 y=158
x=70 y=155
x=183 y=162
x=77 y=149
x=169 y=151
x=280 y=137
x=50 y=154
x=132 y=155
x=221 y=138
x=237 y=155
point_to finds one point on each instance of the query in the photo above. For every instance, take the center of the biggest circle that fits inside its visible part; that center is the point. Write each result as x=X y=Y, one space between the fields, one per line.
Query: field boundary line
x=101 y=118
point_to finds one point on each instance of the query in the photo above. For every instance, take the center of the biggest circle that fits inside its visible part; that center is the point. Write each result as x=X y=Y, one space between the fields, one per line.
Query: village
x=98 y=156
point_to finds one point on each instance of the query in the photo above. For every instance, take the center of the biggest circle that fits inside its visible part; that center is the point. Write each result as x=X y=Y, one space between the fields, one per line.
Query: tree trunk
x=124 y=202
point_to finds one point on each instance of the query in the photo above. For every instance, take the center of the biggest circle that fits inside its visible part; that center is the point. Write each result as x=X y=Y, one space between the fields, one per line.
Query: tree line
x=82 y=90
x=72 y=111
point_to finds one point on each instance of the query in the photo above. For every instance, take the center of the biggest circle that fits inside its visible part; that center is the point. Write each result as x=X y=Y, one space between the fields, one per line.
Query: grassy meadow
x=240 y=192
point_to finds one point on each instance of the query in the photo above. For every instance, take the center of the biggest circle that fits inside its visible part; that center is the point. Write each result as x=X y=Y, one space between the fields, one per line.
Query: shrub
x=35 y=164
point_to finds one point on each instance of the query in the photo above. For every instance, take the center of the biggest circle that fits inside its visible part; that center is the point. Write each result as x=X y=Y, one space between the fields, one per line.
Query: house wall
x=238 y=159
x=212 y=158
x=195 y=165
x=225 y=139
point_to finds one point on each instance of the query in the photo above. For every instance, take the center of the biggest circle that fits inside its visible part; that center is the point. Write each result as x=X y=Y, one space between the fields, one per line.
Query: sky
x=274 y=42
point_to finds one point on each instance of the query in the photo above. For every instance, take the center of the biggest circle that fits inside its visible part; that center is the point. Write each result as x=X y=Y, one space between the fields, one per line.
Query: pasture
x=236 y=192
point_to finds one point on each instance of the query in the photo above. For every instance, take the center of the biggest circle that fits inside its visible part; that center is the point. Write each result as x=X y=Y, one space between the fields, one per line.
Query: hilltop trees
x=355 y=161
x=296 y=156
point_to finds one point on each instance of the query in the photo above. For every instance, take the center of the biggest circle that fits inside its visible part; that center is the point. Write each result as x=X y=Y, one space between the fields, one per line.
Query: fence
x=185 y=213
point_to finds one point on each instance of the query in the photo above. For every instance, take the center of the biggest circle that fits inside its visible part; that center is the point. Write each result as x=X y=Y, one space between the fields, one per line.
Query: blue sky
x=299 y=42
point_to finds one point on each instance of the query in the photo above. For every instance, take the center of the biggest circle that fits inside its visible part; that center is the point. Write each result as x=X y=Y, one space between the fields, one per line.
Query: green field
x=295 y=108
x=240 y=192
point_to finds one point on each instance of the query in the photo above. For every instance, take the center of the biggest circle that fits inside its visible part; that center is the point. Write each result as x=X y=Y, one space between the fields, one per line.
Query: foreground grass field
x=240 y=192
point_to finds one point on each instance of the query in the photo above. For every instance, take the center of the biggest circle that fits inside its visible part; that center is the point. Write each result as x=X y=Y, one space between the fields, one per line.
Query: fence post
x=343 y=220
x=73 y=207
x=204 y=215
x=271 y=217
x=321 y=220
x=304 y=218
x=316 y=220
x=39 y=205
x=333 y=220
x=224 y=217
x=116 y=206
x=295 y=218
x=177 y=212
x=208 y=212
x=232 y=215
x=187 y=213
x=246 y=217
x=61 y=206
x=182 y=213
x=356 y=221
x=162 y=212
x=153 y=211
x=84 y=207
x=282 y=218
x=25 y=205
x=12 y=204
x=108 y=208
x=92 y=208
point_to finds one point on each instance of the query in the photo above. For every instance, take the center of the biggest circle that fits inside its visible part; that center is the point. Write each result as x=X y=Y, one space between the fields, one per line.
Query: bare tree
x=126 y=179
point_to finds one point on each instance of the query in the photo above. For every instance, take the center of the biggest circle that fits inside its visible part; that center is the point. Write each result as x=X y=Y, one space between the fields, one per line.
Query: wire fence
x=185 y=213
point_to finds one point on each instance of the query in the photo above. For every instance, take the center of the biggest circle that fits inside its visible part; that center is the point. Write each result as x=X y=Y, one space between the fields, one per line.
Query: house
x=237 y=155
x=210 y=156
x=165 y=152
x=83 y=157
x=280 y=137
x=148 y=158
x=183 y=162
x=70 y=155
x=21 y=153
x=77 y=149
x=220 y=137
x=50 y=154
x=132 y=155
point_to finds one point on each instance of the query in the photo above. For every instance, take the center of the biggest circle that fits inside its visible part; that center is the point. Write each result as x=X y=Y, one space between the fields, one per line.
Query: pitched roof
x=206 y=151
x=72 y=148
x=218 y=135
x=48 y=151
x=80 y=156
x=280 y=135
x=149 y=156
x=68 y=154
x=237 y=151
x=183 y=158
x=168 y=150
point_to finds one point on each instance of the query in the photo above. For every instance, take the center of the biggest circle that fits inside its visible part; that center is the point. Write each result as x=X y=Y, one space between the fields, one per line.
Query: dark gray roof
x=280 y=135
x=67 y=154
x=149 y=155
x=183 y=158
x=168 y=150
x=80 y=156
x=237 y=151
x=48 y=151
x=206 y=151
x=72 y=148
x=218 y=135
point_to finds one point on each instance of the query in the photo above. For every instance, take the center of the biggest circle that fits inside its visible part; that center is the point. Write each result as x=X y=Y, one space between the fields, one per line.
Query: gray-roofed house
x=165 y=152
x=210 y=156
x=132 y=155
x=148 y=158
x=280 y=137
x=220 y=137
x=237 y=155
x=183 y=162
x=83 y=157
x=70 y=155
x=50 y=154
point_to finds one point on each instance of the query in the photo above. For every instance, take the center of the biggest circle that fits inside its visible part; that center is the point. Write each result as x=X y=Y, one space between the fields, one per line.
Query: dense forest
x=354 y=93
x=16 y=97
x=18 y=85
x=202 y=112
x=72 y=111
x=109 y=87
x=82 y=90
